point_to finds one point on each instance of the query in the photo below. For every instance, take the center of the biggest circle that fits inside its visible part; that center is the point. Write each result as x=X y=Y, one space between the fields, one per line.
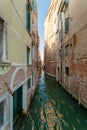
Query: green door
x=17 y=102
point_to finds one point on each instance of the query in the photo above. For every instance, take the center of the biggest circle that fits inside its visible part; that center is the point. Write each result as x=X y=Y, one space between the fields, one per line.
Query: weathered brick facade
x=70 y=46
x=72 y=63
x=50 y=30
x=19 y=58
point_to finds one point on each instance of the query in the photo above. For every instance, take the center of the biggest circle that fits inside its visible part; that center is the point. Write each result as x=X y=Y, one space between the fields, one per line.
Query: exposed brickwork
x=50 y=31
x=9 y=74
x=6 y=79
x=50 y=69
x=29 y=71
x=70 y=49
x=20 y=76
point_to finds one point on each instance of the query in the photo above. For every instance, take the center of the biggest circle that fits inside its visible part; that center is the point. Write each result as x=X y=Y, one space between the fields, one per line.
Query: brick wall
x=76 y=82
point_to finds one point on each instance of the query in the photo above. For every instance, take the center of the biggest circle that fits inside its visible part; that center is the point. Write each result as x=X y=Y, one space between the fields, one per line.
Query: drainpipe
x=61 y=49
x=79 y=102
x=37 y=58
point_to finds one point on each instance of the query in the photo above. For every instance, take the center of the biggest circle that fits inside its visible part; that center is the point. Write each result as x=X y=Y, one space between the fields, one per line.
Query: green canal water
x=54 y=109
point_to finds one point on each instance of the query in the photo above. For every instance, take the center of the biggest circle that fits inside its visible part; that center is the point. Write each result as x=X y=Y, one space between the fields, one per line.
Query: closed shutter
x=27 y=8
x=33 y=4
x=67 y=25
x=28 y=17
x=17 y=102
x=29 y=22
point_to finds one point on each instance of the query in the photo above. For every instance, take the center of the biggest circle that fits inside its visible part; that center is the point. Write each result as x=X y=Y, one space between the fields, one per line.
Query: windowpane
x=67 y=71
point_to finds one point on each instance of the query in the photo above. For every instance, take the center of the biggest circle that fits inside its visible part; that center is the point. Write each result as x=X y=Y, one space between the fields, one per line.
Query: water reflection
x=54 y=109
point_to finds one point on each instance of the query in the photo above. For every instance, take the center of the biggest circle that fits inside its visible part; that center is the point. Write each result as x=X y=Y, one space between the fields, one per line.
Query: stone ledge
x=28 y=65
x=5 y=64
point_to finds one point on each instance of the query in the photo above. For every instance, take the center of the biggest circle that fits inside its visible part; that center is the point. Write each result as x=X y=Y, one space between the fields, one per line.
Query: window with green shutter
x=67 y=25
x=28 y=18
x=33 y=4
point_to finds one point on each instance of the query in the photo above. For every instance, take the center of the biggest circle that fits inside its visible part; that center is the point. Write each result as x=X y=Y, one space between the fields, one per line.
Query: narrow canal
x=54 y=109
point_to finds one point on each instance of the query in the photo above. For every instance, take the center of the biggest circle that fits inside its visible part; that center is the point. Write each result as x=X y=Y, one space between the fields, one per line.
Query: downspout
x=61 y=49
x=37 y=57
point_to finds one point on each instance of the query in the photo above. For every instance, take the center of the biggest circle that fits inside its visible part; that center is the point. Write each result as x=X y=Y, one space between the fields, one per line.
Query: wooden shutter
x=67 y=25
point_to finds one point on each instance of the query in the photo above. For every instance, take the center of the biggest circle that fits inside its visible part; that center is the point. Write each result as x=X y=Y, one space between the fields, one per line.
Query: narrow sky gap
x=43 y=6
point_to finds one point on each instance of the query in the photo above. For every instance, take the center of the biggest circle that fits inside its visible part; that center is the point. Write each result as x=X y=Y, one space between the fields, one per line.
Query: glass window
x=67 y=71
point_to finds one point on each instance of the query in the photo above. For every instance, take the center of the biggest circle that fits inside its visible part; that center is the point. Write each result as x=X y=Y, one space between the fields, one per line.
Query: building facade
x=71 y=48
x=71 y=69
x=19 y=46
x=50 y=31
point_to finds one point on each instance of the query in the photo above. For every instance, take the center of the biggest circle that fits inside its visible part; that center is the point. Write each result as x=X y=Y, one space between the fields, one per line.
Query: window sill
x=4 y=64
x=67 y=32
x=29 y=65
